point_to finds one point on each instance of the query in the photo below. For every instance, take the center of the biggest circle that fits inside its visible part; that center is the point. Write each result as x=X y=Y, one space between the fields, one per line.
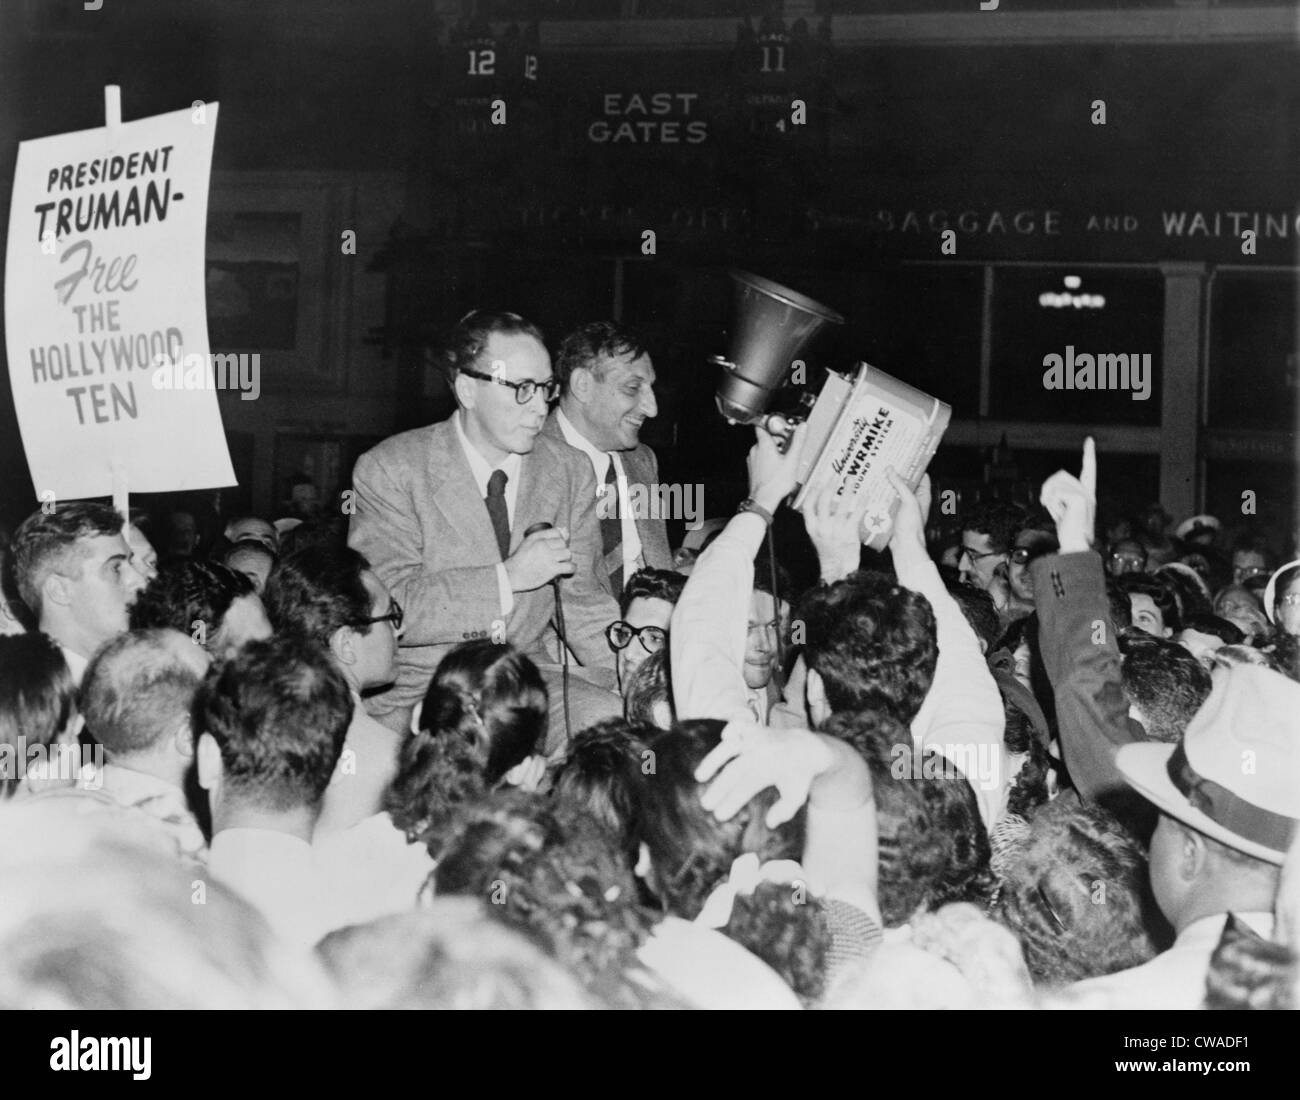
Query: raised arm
x=962 y=715
x=709 y=624
x=1077 y=638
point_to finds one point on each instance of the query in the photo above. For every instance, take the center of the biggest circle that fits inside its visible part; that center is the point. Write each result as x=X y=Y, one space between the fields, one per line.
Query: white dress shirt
x=277 y=874
x=478 y=466
x=1174 y=978
x=77 y=664
x=600 y=460
x=372 y=869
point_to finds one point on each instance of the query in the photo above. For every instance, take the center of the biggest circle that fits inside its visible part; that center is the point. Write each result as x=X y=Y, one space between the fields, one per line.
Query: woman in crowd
x=1282 y=598
x=481 y=724
x=38 y=710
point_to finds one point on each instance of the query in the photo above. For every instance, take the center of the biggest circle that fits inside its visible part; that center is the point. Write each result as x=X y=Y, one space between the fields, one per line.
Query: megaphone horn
x=772 y=325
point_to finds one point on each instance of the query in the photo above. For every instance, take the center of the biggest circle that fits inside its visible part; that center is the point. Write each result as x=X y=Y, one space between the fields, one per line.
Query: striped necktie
x=611 y=530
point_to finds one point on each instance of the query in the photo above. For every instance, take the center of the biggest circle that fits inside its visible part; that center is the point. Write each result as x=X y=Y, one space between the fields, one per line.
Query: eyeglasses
x=620 y=635
x=1023 y=555
x=975 y=555
x=1245 y=572
x=1128 y=561
x=394 y=616
x=523 y=390
x=1289 y=601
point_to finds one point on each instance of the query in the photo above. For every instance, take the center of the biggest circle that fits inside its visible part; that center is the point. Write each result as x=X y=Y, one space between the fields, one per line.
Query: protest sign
x=104 y=282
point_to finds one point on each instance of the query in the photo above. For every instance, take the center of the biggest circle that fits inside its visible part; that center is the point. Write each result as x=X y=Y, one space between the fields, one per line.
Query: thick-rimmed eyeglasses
x=975 y=555
x=394 y=616
x=620 y=635
x=523 y=390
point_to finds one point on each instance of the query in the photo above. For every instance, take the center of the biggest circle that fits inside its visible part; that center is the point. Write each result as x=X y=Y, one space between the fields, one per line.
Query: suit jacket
x=421 y=522
x=1077 y=641
x=642 y=469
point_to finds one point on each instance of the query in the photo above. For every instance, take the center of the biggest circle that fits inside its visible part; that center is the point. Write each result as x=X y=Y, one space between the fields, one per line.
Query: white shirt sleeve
x=962 y=714
x=710 y=625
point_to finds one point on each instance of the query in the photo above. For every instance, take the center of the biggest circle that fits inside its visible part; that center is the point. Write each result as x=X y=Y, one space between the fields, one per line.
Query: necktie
x=496 y=506
x=611 y=530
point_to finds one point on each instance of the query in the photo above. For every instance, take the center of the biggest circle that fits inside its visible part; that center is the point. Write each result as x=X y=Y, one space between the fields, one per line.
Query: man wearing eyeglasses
x=646 y=610
x=608 y=394
x=442 y=514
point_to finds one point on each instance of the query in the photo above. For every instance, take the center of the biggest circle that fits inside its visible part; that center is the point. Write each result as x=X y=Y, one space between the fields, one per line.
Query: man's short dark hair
x=186 y=592
x=934 y=848
x=278 y=710
x=37 y=700
x=1164 y=681
x=48 y=543
x=467 y=341
x=314 y=591
x=995 y=518
x=872 y=642
x=652 y=584
x=589 y=344
x=1161 y=592
x=137 y=690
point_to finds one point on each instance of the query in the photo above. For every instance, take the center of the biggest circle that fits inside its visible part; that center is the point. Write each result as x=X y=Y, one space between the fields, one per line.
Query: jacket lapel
x=456 y=496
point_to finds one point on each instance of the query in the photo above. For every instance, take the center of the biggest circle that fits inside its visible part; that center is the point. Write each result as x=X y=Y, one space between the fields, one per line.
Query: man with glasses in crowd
x=471 y=520
x=645 y=610
x=986 y=545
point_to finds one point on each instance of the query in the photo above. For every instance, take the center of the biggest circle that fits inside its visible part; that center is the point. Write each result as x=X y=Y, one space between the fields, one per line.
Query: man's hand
x=913 y=510
x=761 y=757
x=835 y=528
x=541 y=557
x=771 y=473
x=1072 y=502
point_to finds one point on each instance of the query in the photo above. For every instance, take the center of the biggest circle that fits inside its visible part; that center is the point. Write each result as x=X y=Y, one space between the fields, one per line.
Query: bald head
x=137 y=692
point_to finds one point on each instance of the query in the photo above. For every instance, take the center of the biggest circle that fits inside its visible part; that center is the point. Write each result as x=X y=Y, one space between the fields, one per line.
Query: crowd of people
x=490 y=741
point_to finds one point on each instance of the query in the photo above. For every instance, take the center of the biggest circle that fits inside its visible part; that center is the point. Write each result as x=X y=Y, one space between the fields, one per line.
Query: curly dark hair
x=1072 y=856
x=189 y=592
x=318 y=589
x=484 y=712
x=1164 y=681
x=872 y=642
x=589 y=344
x=557 y=877
x=1029 y=789
x=601 y=775
x=933 y=845
x=692 y=852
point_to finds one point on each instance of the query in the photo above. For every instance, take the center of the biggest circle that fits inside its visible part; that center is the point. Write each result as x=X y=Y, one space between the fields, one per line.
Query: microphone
x=559 y=630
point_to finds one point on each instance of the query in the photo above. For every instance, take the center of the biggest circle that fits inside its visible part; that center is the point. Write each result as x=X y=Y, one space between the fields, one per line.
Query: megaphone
x=772 y=325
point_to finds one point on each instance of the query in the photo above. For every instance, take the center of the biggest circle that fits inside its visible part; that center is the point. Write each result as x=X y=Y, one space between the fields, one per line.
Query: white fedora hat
x=1235 y=776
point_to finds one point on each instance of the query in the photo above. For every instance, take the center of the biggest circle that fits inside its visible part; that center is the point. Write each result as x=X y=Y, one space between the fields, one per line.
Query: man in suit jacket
x=608 y=393
x=442 y=511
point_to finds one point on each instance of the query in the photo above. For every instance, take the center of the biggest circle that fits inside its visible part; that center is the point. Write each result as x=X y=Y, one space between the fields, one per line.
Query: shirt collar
x=478 y=465
x=600 y=459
